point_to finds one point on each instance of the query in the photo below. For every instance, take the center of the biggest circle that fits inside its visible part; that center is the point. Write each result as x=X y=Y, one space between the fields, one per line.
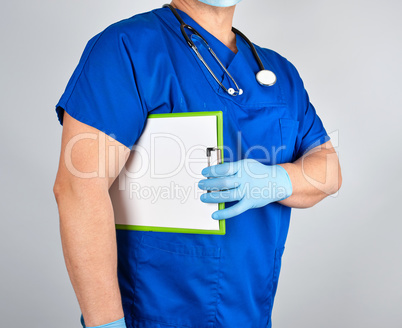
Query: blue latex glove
x=249 y=182
x=115 y=324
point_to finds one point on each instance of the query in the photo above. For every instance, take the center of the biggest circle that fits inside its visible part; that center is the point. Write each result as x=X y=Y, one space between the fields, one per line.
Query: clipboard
x=157 y=190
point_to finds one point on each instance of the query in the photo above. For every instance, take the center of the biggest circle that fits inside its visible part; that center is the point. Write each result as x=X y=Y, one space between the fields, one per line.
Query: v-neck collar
x=241 y=65
x=223 y=52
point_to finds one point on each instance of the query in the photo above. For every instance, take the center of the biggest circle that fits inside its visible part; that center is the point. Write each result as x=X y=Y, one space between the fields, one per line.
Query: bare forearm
x=314 y=177
x=89 y=246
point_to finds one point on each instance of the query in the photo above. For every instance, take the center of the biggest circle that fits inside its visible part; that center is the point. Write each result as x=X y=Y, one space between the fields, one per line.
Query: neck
x=216 y=20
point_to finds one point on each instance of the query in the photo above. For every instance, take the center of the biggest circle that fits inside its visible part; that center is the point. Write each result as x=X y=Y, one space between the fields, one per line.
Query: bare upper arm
x=88 y=156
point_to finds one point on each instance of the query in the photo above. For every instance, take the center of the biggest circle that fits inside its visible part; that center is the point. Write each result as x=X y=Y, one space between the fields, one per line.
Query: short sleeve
x=311 y=130
x=102 y=91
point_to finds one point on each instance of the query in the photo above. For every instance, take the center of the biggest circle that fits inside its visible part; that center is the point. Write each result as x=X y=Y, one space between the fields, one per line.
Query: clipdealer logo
x=114 y=159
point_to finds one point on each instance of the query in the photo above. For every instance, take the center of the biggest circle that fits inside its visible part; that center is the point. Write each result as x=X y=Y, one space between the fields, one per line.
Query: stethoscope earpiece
x=232 y=92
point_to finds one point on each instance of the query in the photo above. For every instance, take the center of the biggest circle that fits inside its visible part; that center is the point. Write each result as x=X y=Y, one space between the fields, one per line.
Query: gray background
x=342 y=266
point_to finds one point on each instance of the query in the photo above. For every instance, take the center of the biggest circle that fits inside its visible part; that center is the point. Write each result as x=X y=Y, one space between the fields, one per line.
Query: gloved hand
x=248 y=181
x=115 y=324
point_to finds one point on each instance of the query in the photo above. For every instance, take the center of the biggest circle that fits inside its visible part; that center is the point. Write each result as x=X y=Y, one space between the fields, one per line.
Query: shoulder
x=144 y=22
x=131 y=31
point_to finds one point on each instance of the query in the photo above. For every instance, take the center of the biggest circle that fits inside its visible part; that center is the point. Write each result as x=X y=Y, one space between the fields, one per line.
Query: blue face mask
x=220 y=3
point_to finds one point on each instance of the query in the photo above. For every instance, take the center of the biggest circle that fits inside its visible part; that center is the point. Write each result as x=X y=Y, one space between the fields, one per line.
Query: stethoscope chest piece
x=266 y=77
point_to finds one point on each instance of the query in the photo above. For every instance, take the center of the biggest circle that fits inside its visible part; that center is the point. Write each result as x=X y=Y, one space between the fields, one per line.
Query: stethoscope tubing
x=230 y=91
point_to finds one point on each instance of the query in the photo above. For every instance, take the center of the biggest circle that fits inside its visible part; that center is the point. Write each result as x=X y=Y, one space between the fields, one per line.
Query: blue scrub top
x=143 y=65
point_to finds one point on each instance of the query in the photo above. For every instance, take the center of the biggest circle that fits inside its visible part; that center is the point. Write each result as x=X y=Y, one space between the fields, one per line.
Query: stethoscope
x=264 y=77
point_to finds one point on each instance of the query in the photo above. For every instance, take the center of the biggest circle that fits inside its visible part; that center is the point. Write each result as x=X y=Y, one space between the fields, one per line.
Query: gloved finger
x=232 y=211
x=221 y=196
x=221 y=170
x=216 y=184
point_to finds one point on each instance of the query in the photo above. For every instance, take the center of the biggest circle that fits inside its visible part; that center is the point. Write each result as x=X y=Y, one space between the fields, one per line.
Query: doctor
x=277 y=153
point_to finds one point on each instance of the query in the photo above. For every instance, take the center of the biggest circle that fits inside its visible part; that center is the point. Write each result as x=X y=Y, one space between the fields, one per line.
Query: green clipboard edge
x=221 y=206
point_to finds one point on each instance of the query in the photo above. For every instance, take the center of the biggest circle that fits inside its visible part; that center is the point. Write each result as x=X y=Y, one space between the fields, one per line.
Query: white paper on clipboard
x=158 y=188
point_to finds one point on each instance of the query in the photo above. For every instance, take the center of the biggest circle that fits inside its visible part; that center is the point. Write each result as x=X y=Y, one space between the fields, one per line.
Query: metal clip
x=210 y=150
x=218 y=155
